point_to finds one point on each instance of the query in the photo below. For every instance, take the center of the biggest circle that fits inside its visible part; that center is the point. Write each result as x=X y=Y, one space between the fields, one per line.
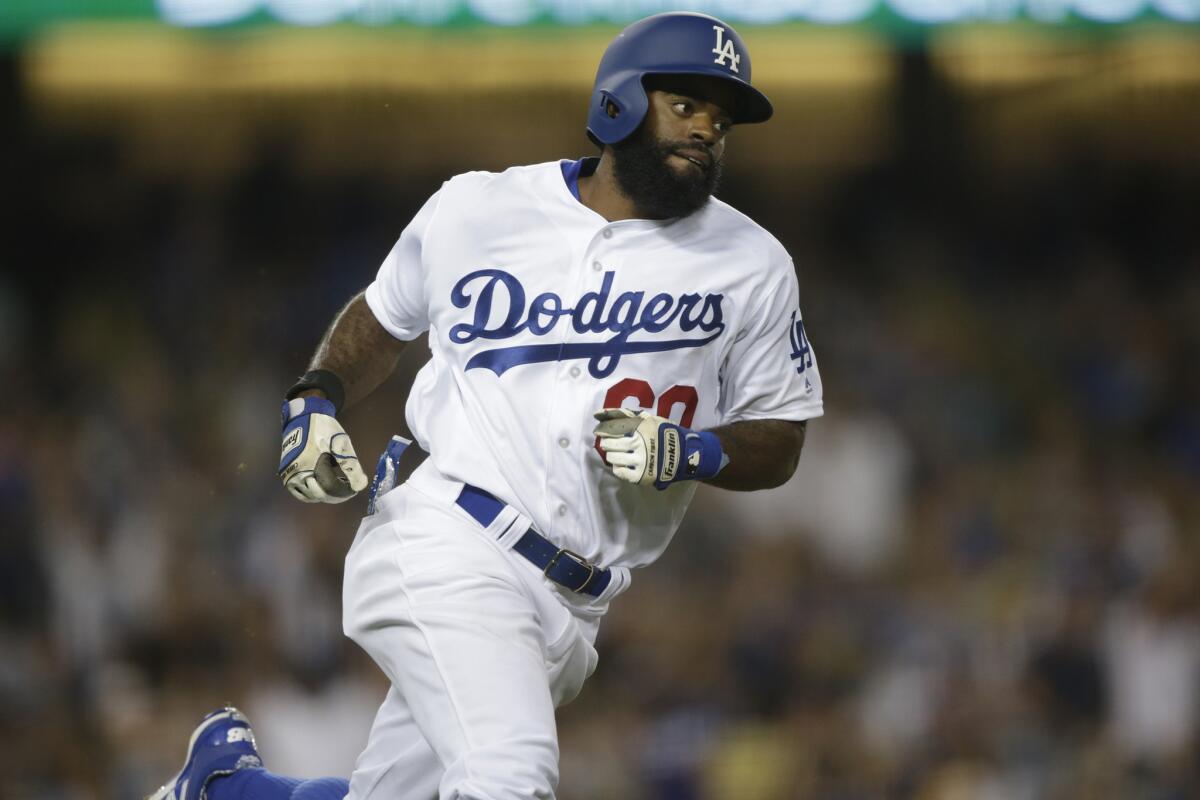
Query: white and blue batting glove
x=317 y=463
x=652 y=451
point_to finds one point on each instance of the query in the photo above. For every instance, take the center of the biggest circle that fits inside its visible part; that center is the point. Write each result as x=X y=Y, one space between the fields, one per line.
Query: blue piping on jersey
x=572 y=171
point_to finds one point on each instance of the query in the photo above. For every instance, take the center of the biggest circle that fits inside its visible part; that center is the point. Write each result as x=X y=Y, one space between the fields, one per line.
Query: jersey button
x=597 y=266
x=563 y=441
x=607 y=233
x=562 y=510
x=574 y=372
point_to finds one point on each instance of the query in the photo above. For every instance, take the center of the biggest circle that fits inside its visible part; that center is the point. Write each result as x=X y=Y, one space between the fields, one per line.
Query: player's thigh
x=450 y=622
x=397 y=763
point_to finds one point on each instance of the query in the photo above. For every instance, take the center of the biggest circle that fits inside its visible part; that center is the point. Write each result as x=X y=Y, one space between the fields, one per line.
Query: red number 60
x=639 y=390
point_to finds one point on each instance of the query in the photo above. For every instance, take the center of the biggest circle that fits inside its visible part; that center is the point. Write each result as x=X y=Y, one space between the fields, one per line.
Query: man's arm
x=358 y=350
x=762 y=454
x=317 y=462
x=649 y=450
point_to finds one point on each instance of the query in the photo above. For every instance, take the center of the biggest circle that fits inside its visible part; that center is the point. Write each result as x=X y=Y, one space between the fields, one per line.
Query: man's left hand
x=649 y=450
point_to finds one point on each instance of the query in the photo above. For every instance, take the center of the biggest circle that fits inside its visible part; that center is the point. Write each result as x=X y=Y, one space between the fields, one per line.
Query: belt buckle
x=583 y=562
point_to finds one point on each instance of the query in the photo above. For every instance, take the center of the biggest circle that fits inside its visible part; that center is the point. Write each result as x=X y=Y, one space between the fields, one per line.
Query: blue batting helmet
x=675 y=43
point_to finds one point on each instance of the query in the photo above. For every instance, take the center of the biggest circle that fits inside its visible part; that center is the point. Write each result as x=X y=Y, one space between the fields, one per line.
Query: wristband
x=324 y=380
x=703 y=456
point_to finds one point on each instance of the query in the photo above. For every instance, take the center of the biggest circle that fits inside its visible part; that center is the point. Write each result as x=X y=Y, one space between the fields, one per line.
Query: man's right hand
x=317 y=463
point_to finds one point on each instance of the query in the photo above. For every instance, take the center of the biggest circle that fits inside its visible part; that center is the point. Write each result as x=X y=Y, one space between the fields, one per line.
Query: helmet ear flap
x=617 y=109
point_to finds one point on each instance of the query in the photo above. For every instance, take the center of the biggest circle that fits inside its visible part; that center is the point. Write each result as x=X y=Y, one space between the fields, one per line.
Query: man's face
x=672 y=164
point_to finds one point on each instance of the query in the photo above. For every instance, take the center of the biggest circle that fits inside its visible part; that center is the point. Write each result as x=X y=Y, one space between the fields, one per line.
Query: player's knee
x=520 y=769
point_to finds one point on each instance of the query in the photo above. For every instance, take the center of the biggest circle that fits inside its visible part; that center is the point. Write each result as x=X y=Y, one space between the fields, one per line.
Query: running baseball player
x=604 y=335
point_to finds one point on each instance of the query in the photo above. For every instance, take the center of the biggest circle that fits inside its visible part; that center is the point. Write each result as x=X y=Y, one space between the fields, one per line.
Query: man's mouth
x=700 y=158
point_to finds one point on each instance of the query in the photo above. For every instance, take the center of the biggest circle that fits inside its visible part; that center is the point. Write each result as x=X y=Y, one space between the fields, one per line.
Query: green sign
x=20 y=17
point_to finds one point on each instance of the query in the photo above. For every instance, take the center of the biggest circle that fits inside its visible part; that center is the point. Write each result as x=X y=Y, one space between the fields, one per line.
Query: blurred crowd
x=984 y=581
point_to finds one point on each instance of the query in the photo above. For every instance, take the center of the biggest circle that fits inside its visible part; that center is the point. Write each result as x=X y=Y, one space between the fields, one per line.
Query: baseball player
x=604 y=335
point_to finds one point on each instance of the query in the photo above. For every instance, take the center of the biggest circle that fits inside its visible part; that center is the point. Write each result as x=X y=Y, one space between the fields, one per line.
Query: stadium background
x=984 y=581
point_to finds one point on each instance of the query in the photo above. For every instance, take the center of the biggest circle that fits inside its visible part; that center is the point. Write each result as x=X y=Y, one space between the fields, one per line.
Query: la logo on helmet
x=724 y=50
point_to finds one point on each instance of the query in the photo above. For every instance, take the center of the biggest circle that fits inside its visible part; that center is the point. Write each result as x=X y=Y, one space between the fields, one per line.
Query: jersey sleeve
x=397 y=297
x=771 y=371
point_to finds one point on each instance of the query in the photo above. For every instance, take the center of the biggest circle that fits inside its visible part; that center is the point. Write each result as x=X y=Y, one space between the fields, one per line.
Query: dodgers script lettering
x=497 y=300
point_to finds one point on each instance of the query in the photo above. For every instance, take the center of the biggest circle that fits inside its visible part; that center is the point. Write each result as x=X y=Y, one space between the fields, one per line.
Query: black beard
x=656 y=189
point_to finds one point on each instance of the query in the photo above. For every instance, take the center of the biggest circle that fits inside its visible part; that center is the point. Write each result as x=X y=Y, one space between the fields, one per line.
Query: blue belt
x=557 y=563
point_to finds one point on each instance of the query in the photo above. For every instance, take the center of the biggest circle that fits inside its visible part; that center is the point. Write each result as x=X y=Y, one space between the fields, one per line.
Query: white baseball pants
x=478 y=648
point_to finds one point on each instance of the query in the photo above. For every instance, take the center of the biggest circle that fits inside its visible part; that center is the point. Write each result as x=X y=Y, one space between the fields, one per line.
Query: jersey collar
x=572 y=171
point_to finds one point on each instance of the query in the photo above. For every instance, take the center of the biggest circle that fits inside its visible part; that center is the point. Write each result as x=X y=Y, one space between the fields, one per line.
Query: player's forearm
x=358 y=350
x=762 y=454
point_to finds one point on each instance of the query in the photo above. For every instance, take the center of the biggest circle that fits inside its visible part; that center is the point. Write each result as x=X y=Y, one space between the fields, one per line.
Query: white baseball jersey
x=541 y=312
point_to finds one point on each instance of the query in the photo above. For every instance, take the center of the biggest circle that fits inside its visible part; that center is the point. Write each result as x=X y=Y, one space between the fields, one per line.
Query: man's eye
x=681 y=107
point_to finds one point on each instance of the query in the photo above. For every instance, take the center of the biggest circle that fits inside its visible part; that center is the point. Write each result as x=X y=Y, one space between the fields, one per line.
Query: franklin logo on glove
x=291 y=442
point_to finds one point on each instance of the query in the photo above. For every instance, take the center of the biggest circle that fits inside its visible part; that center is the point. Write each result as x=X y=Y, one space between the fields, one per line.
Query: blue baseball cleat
x=222 y=744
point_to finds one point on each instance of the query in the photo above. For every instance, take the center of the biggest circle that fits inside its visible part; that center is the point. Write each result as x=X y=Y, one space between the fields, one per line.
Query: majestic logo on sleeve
x=500 y=312
x=724 y=49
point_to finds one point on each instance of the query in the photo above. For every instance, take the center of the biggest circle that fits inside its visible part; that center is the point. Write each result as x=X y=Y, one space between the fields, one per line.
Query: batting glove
x=649 y=450
x=317 y=463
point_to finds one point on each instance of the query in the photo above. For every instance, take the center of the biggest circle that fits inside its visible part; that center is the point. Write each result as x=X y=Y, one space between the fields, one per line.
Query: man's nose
x=704 y=129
